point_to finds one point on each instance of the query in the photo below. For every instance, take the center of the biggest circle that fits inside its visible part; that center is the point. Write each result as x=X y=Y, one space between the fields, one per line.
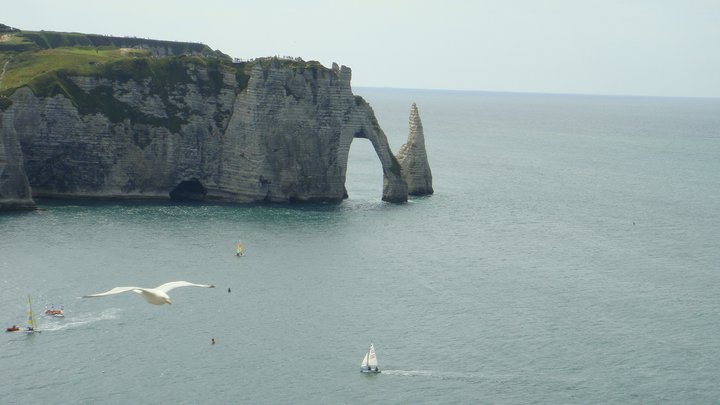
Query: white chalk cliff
x=282 y=133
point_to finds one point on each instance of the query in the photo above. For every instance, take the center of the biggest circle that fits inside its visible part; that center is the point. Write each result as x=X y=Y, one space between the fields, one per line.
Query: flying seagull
x=155 y=296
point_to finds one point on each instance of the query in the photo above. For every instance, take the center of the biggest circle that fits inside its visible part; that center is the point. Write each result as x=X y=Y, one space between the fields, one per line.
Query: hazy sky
x=631 y=47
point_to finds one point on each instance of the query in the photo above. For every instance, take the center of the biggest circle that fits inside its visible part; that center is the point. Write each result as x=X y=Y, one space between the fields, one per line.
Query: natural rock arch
x=367 y=127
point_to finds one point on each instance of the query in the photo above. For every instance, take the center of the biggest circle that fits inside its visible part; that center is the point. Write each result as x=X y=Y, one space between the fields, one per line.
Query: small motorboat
x=52 y=311
x=13 y=328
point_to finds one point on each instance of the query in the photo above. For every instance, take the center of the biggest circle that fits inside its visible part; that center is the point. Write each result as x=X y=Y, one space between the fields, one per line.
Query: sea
x=569 y=255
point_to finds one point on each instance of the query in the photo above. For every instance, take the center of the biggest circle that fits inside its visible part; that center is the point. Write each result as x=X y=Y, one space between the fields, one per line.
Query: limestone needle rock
x=413 y=158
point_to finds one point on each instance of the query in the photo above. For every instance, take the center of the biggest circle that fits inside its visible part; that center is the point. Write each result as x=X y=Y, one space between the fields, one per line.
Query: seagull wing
x=116 y=290
x=175 y=284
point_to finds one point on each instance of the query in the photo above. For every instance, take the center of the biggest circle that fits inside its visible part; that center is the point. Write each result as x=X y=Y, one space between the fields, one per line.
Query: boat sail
x=239 y=248
x=369 y=363
x=31 y=322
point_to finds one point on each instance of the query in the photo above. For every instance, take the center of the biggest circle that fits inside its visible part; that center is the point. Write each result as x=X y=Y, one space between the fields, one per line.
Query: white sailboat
x=369 y=363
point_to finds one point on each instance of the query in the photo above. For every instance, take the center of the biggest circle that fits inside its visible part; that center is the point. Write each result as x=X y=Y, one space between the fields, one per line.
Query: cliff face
x=276 y=133
x=14 y=187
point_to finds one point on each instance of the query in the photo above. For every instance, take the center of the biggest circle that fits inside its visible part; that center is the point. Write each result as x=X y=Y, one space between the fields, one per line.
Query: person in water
x=212 y=341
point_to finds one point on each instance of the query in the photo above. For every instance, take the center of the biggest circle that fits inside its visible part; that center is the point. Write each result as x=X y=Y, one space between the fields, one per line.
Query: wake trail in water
x=409 y=373
x=76 y=322
x=443 y=375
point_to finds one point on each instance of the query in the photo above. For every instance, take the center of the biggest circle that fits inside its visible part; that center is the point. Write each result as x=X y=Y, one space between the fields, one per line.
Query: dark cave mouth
x=189 y=190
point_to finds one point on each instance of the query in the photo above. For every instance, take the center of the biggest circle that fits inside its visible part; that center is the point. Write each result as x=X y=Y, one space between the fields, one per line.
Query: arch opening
x=364 y=174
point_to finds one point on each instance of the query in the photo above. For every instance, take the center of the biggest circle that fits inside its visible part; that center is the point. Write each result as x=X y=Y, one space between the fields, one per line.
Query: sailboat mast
x=370 y=355
x=31 y=319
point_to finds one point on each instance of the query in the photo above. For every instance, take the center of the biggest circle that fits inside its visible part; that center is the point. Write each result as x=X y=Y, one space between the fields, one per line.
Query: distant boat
x=56 y=312
x=369 y=363
x=31 y=322
x=239 y=249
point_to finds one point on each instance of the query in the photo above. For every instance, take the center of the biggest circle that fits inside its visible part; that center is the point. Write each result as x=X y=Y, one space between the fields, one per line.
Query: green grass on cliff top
x=42 y=60
x=34 y=58
x=27 y=66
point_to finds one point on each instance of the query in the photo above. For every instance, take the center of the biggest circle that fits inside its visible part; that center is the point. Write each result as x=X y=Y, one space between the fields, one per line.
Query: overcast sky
x=628 y=47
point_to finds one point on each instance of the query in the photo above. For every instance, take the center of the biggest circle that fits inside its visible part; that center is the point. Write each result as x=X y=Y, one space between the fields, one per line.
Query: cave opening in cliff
x=189 y=190
x=364 y=175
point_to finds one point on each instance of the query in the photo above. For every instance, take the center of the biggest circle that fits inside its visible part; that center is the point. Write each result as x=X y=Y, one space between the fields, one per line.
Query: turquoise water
x=569 y=255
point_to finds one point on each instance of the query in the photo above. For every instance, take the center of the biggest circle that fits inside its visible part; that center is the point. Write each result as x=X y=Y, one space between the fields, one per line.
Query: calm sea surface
x=570 y=255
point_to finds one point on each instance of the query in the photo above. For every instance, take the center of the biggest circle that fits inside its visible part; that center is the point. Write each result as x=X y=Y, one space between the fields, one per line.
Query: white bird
x=155 y=296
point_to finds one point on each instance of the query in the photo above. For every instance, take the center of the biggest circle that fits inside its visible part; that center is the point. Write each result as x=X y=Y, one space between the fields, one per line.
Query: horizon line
x=538 y=93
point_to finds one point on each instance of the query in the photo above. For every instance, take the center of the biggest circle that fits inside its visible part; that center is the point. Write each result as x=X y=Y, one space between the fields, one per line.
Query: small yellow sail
x=30 y=320
x=239 y=248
